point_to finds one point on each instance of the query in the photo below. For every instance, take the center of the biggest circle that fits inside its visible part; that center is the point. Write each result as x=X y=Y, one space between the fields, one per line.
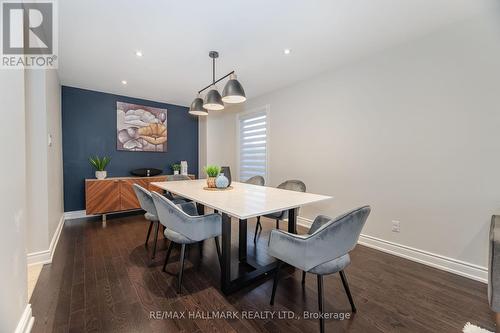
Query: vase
x=184 y=168
x=211 y=182
x=176 y=172
x=100 y=174
x=221 y=181
x=226 y=172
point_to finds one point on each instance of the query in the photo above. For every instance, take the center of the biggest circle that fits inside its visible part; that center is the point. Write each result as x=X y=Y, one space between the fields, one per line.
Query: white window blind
x=253 y=145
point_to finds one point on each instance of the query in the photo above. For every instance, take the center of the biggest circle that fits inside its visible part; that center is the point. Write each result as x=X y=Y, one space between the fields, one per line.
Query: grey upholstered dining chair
x=292 y=185
x=171 y=178
x=177 y=177
x=260 y=181
x=324 y=250
x=146 y=202
x=256 y=180
x=184 y=226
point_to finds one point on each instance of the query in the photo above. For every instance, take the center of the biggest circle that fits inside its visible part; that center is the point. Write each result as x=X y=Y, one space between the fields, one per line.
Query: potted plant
x=212 y=172
x=100 y=164
x=176 y=168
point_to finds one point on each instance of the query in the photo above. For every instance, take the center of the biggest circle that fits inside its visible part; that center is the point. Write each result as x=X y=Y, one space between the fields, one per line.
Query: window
x=253 y=140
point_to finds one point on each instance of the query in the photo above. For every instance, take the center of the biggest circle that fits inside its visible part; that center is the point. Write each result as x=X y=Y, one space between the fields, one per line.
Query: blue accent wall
x=89 y=128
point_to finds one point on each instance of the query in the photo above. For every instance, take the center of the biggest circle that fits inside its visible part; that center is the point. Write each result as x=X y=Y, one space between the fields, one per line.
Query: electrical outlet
x=396 y=226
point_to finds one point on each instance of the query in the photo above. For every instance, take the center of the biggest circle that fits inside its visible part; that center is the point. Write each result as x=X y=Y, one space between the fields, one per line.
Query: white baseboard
x=76 y=214
x=304 y=222
x=447 y=264
x=45 y=257
x=26 y=321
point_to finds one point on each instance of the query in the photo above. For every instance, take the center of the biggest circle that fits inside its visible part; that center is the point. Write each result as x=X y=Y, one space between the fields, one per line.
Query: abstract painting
x=140 y=128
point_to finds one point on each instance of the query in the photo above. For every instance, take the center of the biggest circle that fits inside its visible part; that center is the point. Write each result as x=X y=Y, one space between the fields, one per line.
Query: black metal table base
x=259 y=272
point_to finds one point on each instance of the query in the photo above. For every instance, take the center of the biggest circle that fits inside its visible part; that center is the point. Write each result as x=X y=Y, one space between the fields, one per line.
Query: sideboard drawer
x=102 y=196
x=128 y=199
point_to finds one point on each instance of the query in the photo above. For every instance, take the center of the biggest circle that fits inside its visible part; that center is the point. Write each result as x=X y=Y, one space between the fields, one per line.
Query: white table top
x=244 y=200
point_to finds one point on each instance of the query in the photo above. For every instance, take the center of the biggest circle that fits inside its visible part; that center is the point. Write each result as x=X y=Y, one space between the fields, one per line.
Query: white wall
x=412 y=131
x=54 y=152
x=44 y=167
x=13 y=275
x=216 y=138
x=36 y=161
x=221 y=143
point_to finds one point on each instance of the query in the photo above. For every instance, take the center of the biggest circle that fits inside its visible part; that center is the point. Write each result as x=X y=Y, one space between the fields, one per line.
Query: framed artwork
x=140 y=128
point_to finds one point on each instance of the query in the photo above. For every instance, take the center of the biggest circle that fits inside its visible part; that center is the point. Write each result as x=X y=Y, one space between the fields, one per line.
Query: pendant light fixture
x=233 y=93
x=213 y=100
x=196 y=107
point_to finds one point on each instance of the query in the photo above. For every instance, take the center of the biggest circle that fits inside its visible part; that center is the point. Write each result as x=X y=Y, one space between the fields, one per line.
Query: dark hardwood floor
x=102 y=280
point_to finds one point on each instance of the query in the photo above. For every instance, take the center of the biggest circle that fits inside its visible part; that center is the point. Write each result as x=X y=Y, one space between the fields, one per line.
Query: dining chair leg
x=217 y=247
x=320 y=304
x=170 y=247
x=255 y=233
x=183 y=252
x=257 y=226
x=347 y=290
x=149 y=233
x=157 y=224
x=200 y=248
x=275 y=283
x=303 y=277
x=277 y=223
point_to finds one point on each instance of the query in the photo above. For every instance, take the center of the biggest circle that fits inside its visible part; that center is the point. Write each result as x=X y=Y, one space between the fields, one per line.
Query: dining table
x=241 y=201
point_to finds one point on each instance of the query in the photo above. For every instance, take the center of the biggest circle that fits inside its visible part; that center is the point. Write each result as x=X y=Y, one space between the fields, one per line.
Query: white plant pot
x=176 y=172
x=100 y=174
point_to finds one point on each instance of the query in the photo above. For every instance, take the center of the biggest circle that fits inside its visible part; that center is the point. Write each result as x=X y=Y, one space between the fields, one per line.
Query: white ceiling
x=98 y=40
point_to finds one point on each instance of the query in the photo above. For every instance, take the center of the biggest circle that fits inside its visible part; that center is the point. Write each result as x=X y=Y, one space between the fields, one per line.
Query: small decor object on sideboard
x=100 y=164
x=184 y=168
x=176 y=167
x=146 y=172
x=221 y=181
x=212 y=172
x=227 y=173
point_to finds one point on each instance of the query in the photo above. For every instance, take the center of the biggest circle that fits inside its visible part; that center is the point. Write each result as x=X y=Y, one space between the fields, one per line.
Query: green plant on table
x=99 y=163
x=212 y=170
x=175 y=167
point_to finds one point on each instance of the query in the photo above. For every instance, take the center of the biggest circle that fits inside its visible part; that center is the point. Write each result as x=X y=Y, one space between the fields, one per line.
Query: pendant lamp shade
x=213 y=100
x=196 y=107
x=233 y=91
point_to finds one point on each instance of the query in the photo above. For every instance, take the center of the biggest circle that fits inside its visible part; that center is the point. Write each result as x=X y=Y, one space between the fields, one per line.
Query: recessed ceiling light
x=124 y=82
x=287 y=51
x=138 y=53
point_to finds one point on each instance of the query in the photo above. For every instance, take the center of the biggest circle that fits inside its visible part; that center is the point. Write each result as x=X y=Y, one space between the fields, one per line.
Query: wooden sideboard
x=112 y=195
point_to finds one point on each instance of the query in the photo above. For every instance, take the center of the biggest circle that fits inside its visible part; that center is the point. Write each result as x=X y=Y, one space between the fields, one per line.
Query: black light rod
x=211 y=84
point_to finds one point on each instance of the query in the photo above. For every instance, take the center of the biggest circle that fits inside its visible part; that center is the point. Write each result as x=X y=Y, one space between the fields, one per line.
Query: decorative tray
x=217 y=189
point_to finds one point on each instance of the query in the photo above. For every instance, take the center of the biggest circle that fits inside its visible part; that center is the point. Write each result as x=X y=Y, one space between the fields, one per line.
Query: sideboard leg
x=104 y=220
